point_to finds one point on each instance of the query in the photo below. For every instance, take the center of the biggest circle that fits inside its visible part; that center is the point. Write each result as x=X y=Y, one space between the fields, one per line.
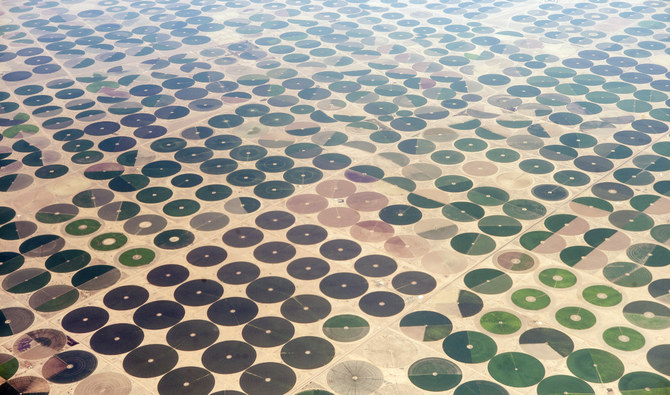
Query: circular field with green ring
x=434 y=374
x=516 y=369
x=531 y=299
x=108 y=241
x=595 y=366
x=564 y=384
x=557 y=278
x=623 y=338
x=137 y=257
x=500 y=322
x=346 y=328
x=575 y=318
x=82 y=227
x=469 y=347
x=602 y=295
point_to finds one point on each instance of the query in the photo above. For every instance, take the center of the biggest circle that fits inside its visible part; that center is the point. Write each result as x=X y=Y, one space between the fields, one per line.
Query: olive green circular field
x=575 y=318
x=648 y=315
x=595 y=366
x=480 y=387
x=524 y=209
x=499 y=225
x=659 y=358
x=473 y=243
x=531 y=299
x=649 y=254
x=8 y=366
x=108 y=241
x=463 y=211
x=624 y=339
x=181 y=207
x=631 y=220
x=488 y=196
x=315 y=392
x=661 y=233
x=488 y=281
x=154 y=195
x=400 y=214
x=627 y=274
x=602 y=295
x=644 y=383
x=435 y=374
x=82 y=227
x=500 y=322
x=137 y=257
x=557 y=278
x=563 y=384
x=469 y=347
x=516 y=369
